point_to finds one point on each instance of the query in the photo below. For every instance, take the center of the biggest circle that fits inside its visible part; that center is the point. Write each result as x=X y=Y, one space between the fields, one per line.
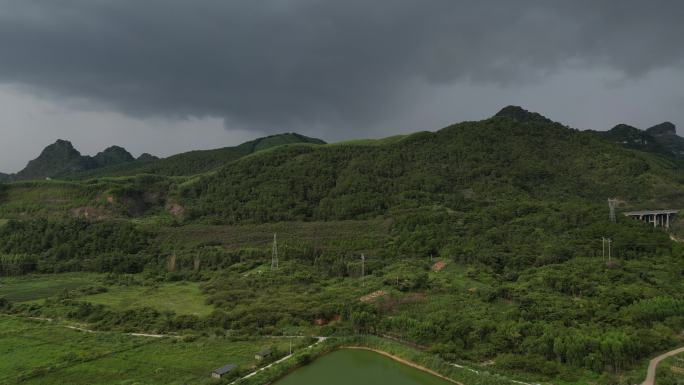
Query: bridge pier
x=659 y=218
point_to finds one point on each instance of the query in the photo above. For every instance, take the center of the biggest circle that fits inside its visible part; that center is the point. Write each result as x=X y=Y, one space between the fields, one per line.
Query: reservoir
x=358 y=367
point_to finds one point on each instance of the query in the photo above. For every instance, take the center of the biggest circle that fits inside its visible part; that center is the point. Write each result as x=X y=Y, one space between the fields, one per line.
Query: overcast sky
x=164 y=76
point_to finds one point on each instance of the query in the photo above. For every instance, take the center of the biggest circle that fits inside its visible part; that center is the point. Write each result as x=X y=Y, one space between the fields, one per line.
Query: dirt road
x=653 y=365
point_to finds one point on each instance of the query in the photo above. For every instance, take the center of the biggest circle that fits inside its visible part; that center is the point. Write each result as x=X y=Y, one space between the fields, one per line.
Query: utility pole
x=609 y=241
x=603 y=244
x=363 y=267
x=274 y=253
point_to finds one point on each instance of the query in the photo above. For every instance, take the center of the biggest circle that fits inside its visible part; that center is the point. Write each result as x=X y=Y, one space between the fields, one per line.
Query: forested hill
x=512 y=158
x=660 y=139
x=61 y=159
x=195 y=162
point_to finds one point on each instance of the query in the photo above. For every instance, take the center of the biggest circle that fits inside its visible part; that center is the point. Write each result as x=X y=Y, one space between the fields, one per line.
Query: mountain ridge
x=198 y=161
x=661 y=138
x=62 y=161
x=55 y=159
x=526 y=155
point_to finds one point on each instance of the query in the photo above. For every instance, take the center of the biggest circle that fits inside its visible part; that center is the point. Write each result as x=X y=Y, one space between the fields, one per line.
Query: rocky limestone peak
x=663 y=129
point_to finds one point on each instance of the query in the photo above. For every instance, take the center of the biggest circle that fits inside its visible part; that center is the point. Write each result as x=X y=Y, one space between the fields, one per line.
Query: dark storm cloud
x=284 y=64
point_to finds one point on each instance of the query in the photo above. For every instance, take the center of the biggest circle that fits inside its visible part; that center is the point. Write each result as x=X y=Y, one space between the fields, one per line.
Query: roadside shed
x=222 y=371
x=263 y=354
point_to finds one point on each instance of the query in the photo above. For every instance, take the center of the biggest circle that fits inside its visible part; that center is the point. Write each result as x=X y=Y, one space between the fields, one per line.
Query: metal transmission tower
x=274 y=254
x=612 y=203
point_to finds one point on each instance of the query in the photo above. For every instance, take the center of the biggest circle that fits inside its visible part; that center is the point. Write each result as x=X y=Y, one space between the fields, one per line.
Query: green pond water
x=358 y=367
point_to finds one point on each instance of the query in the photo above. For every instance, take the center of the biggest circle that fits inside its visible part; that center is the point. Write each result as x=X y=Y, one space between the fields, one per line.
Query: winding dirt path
x=318 y=340
x=653 y=365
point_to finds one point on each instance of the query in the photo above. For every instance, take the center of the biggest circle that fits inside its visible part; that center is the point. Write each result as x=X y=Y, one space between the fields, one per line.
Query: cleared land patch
x=181 y=298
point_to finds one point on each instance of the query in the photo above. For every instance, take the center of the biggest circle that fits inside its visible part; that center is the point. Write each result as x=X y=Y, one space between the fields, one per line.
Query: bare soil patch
x=373 y=295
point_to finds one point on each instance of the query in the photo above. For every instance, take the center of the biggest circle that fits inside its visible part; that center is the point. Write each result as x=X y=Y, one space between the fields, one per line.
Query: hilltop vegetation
x=61 y=160
x=196 y=162
x=660 y=139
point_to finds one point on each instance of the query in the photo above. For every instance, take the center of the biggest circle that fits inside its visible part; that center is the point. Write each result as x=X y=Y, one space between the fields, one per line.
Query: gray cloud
x=274 y=65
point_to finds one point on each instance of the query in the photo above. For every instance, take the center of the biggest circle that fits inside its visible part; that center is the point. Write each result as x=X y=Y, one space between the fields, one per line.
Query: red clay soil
x=438 y=266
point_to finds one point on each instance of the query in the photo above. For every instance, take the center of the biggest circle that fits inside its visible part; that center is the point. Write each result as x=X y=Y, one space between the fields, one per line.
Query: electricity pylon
x=612 y=203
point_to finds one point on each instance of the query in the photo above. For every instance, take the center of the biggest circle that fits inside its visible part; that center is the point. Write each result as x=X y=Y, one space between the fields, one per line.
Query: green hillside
x=195 y=162
x=472 y=165
x=128 y=188
x=632 y=137
x=482 y=244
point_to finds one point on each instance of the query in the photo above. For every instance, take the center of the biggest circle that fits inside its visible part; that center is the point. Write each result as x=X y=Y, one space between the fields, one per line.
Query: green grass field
x=181 y=298
x=46 y=353
x=37 y=287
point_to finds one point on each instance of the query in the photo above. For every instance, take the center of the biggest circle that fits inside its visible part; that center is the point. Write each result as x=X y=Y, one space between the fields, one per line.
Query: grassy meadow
x=178 y=297
x=37 y=287
x=47 y=353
